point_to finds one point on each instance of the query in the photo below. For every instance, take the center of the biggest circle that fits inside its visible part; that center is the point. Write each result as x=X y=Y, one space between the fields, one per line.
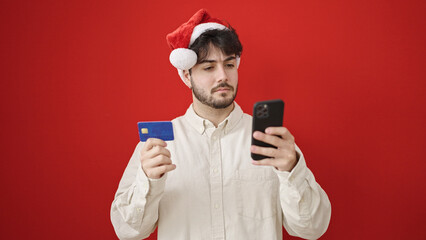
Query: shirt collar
x=200 y=124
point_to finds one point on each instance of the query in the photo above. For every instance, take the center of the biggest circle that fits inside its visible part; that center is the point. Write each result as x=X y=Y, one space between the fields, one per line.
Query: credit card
x=161 y=130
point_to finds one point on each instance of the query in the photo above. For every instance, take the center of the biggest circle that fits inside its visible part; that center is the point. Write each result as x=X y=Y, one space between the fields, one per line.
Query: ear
x=186 y=77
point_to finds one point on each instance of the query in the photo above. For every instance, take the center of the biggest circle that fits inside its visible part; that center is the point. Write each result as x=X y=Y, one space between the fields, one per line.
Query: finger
x=279 y=165
x=156 y=161
x=280 y=131
x=161 y=170
x=265 y=151
x=155 y=151
x=267 y=138
x=265 y=162
x=151 y=142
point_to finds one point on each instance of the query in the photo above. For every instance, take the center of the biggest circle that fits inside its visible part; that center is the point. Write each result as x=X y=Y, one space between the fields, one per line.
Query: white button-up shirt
x=215 y=192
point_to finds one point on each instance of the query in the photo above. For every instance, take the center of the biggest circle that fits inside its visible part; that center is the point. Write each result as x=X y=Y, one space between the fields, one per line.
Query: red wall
x=76 y=76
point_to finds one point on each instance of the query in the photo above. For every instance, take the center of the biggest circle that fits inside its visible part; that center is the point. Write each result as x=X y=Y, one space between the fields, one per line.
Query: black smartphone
x=266 y=114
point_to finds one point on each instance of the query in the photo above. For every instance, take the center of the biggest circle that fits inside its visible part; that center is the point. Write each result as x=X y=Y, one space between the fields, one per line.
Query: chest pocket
x=257 y=192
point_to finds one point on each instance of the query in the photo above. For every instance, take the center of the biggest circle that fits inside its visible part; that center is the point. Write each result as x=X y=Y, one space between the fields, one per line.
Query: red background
x=76 y=76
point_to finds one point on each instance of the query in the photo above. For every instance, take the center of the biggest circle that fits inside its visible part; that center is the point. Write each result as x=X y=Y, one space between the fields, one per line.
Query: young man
x=204 y=184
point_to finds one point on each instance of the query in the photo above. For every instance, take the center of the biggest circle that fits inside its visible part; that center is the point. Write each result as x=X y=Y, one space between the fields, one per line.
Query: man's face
x=214 y=81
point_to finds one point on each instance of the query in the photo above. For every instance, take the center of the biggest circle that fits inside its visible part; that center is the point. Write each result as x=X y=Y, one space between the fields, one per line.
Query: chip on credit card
x=162 y=130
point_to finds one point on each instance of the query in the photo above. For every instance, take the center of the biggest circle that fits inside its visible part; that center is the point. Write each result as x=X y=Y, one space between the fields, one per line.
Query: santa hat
x=184 y=36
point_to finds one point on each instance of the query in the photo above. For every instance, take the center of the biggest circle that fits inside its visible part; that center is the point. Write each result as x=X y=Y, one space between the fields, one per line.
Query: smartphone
x=266 y=114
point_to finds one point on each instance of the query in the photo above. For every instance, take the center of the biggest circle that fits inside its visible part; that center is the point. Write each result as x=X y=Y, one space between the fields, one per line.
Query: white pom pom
x=183 y=58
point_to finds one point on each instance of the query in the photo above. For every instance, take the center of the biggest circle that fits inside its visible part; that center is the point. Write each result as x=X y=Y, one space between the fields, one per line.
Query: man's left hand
x=284 y=157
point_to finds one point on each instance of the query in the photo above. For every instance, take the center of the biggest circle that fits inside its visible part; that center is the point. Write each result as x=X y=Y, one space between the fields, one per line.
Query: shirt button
x=139 y=209
x=216 y=206
x=215 y=170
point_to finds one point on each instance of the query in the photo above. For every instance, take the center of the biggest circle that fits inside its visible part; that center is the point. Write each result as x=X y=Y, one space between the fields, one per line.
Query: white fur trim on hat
x=201 y=28
x=238 y=60
x=183 y=58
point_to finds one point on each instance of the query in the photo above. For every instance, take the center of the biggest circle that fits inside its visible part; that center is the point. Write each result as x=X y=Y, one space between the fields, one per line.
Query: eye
x=208 y=68
x=230 y=65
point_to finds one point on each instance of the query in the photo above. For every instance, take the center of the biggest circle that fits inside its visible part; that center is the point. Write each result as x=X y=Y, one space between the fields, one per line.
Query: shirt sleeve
x=305 y=205
x=134 y=211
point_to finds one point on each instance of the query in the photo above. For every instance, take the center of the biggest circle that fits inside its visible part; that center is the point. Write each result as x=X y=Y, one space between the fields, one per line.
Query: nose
x=221 y=75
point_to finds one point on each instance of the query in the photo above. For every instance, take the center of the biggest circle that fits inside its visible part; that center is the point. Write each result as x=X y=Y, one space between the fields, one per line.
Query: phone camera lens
x=262 y=111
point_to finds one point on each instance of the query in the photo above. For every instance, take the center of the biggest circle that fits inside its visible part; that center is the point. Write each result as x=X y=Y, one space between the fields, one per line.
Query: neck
x=214 y=115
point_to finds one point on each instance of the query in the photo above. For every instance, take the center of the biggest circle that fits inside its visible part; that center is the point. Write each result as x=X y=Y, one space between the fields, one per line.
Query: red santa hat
x=181 y=39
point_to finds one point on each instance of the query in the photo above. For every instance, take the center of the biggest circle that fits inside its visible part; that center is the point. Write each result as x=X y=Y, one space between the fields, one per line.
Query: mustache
x=222 y=85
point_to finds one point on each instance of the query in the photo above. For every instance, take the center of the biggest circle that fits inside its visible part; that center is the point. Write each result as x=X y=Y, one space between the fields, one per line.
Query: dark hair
x=225 y=39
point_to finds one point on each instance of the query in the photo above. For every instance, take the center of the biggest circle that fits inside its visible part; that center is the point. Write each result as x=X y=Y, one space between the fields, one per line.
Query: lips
x=222 y=89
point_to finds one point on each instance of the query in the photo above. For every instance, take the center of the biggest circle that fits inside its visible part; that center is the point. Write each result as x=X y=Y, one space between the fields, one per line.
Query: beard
x=208 y=99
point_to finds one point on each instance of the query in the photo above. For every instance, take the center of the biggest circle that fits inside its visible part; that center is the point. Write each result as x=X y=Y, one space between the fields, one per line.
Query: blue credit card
x=161 y=130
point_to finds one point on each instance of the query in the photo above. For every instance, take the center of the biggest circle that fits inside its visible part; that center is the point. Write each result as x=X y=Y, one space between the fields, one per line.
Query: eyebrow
x=213 y=61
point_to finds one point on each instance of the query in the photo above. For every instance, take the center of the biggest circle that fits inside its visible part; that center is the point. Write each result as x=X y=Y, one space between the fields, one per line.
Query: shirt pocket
x=257 y=193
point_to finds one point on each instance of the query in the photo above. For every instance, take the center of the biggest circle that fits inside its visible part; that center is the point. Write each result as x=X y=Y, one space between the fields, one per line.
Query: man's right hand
x=155 y=158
